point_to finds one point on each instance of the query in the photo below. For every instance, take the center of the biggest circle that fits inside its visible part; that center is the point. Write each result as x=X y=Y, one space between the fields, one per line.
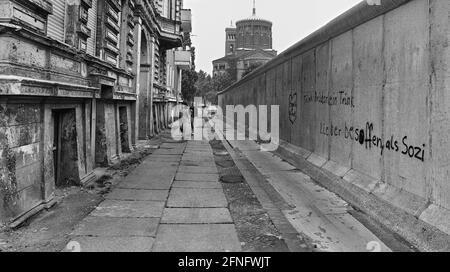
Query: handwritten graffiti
x=293 y=107
x=367 y=138
x=340 y=99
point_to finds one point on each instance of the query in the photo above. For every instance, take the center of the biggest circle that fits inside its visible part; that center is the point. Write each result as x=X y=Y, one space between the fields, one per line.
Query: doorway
x=124 y=139
x=65 y=149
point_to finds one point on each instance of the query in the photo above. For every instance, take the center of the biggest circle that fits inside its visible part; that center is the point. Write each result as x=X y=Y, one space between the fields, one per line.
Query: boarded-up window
x=92 y=25
x=55 y=28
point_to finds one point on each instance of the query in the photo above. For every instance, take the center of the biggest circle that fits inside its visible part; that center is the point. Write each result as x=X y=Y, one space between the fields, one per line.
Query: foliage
x=188 y=82
x=215 y=85
x=189 y=77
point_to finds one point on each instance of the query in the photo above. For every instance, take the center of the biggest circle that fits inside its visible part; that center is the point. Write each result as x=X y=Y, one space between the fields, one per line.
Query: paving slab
x=161 y=180
x=129 y=209
x=196 y=216
x=168 y=152
x=198 y=148
x=117 y=227
x=198 y=169
x=198 y=159
x=173 y=145
x=197 y=238
x=197 y=163
x=163 y=158
x=196 y=184
x=198 y=151
x=197 y=177
x=197 y=198
x=160 y=183
x=145 y=172
x=157 y=164
x=138 y=195
x=198 y=156
x=115 y=244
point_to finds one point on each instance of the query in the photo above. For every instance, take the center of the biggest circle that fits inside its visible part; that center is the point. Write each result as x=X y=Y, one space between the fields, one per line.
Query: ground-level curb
x=271 y=201
x=363 y=196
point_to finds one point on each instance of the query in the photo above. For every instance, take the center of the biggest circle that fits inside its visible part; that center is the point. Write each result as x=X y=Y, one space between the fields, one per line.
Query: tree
x=222 y=81
x=203 y=84
x=189 y=77
x=218 y=83
x=188 y=88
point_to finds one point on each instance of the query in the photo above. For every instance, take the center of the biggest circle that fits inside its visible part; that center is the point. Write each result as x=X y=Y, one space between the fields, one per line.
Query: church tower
x=230 y=40
x=254 y=32
x=247 y=44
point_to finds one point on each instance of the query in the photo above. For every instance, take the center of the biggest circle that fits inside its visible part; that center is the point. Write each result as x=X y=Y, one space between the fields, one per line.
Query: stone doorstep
x=416 y=207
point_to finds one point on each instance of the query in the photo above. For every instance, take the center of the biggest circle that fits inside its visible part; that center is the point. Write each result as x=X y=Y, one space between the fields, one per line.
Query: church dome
x=254 y=18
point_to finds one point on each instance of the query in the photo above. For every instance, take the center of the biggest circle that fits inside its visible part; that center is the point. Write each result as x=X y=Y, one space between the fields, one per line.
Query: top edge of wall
x=358 y=15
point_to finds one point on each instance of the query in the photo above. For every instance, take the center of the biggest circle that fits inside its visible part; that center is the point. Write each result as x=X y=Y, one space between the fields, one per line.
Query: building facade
x=247 y=44
x=81 y=82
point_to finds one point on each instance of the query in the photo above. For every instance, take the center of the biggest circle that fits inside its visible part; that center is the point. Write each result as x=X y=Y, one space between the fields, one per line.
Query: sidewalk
x=314 y=211
x=172 y=202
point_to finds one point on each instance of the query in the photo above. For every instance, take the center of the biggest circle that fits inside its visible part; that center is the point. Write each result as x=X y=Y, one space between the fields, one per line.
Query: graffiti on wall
x=368 y=138
x=340 y=98
x=293 y=107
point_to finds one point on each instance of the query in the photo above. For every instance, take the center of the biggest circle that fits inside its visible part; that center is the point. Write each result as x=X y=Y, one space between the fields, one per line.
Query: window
x=92 y=25
x=56 y=21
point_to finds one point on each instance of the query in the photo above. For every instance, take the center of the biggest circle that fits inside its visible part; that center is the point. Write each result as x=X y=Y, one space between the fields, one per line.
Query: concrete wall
x=368 y=97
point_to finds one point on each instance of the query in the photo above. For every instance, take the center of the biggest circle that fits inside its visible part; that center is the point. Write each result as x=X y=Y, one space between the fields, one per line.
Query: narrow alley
x=225 y=127
x=172 y=202
x=178 y=200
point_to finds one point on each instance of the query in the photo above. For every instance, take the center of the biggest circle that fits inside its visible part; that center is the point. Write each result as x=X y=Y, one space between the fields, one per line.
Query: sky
x=292 y=20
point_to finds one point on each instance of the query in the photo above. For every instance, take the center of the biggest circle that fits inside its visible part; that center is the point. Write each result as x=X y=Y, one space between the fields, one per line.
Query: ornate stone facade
x=81 y=82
